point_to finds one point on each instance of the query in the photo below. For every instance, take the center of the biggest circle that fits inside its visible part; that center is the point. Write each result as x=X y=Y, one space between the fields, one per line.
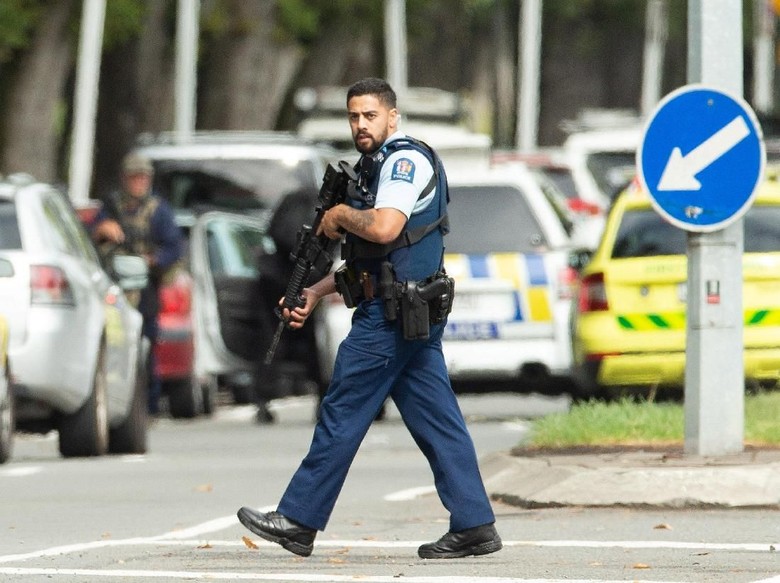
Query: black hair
x=373 y=86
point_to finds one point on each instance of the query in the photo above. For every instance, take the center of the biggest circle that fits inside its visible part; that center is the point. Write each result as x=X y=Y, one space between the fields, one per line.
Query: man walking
x=393 y=227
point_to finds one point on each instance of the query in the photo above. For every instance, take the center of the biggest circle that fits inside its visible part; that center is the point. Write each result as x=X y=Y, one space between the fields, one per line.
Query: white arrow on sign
x=680 y=172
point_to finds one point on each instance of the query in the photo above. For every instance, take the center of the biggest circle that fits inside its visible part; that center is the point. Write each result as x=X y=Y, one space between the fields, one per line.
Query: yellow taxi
x=629 y=317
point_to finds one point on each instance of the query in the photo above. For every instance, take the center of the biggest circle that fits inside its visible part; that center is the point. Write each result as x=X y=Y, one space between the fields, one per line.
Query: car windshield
x=231 y=184
x=644 y=233
x=612 y=170
x=9 y=229
x=491 y=219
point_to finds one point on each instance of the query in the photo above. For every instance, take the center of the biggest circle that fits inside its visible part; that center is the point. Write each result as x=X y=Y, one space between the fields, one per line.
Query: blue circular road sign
x=701 y=158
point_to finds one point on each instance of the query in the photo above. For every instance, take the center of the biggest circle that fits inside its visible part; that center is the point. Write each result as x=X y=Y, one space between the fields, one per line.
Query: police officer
x=134 y=221
x=396 y=221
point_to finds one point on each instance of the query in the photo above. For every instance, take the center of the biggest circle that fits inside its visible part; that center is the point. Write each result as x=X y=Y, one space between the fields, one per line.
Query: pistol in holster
x=424 y=303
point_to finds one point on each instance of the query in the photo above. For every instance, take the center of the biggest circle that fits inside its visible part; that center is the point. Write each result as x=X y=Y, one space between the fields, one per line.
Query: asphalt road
x=170 y=515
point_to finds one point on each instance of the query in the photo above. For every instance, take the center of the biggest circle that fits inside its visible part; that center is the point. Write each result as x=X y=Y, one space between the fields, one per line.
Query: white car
x=602 y=162
x=508 y=252
x=230 y=326
x=246 y=172
x=241 y=172
x=79 y=360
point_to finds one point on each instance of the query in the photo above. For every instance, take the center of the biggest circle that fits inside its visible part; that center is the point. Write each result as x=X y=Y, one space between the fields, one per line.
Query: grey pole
x=530 y=66
x=186 y=68
x=653 y=58
x=714 y=371
x=763 y=56
x=395 y=44
x=93 y=14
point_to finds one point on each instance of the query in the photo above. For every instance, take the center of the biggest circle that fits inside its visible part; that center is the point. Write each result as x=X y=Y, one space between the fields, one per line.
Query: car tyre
x=85 y=432
x=7 y=417
x=185 y=398
x=130 y=436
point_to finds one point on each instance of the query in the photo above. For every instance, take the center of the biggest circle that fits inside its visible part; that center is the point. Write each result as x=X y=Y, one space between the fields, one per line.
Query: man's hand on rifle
x=296 y=317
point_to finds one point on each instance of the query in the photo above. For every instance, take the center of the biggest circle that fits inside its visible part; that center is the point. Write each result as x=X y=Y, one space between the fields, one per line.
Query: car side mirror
x=579 y=258
x=131 y=272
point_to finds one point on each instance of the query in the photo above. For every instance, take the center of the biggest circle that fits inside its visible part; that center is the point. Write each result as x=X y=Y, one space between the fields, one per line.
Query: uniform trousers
x=374 y=362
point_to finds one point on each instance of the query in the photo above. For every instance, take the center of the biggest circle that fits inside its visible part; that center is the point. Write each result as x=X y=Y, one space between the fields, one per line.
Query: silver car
x=79 y=360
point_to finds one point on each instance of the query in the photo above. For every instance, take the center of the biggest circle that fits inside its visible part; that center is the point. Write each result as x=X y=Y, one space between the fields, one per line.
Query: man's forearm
x=358 y=222
x=375 y=225
x=325 y=286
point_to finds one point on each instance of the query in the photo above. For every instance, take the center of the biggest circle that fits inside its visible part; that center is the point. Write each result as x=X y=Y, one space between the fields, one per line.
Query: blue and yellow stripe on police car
x=526 y=272
x=676 y=320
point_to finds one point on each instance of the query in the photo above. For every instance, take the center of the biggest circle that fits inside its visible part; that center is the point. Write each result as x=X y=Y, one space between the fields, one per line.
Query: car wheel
x=185 y=398
x=7 y=418
x=130 y=436
x=85 y=432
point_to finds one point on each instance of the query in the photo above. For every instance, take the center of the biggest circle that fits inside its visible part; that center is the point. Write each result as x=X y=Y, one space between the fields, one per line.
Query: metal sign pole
x=85 y=104
x=714 y=370
x=187 y=30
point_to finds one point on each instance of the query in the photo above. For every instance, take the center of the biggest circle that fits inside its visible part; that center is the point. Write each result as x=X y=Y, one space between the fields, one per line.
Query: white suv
x=246 y=172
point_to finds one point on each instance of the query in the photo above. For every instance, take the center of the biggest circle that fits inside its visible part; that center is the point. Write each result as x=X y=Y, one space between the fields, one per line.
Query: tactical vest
x=418 y=251
x=136 y=222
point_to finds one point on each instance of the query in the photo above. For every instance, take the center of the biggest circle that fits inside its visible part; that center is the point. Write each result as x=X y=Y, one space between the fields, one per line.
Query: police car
x=508 y=251
x=629 y=323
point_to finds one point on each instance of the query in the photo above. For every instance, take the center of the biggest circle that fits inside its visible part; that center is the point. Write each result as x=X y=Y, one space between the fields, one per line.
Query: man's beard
x=373 y=147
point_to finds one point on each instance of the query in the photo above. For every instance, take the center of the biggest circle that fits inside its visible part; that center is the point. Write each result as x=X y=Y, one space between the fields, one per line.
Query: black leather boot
x=277 y=528
x=479 y=540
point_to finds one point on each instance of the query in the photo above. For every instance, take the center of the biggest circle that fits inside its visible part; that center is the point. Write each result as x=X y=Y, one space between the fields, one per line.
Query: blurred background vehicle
x=508 y=251
x=432 y=115
x=75 y=340
x=550 y=169
x=7 y=413
x=244 y=173
x=629 y=320
x=600 y=152
x=231 y=327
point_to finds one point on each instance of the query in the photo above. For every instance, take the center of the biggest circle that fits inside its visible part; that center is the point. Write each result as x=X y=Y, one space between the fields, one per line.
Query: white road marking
x=409 y=494
x=181 y=538
x=21 y=471
x=212 y=576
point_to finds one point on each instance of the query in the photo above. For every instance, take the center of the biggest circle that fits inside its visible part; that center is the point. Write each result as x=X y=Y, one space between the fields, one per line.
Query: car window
x=9 y=228
x=231 y=184
x=233 y=248
x=762 y=229
x=490 y=219
x=71 y=237
x=557 y=201
x=612 y=170
x=562 y=179
x=644 y=233
x=58 y=232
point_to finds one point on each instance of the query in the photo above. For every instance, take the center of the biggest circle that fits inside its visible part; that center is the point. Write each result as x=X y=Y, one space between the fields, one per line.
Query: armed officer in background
x=134 y=221
x=394 y=224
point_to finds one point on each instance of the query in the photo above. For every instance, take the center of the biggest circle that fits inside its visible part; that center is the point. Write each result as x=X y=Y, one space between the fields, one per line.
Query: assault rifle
x=312 y=250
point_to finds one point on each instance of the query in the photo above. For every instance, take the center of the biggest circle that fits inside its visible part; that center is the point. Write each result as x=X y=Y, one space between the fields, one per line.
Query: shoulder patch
x=403 y=169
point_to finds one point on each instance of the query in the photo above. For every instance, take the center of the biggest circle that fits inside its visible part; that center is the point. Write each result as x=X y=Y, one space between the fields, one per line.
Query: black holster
x=348 y=286
x=424 y=303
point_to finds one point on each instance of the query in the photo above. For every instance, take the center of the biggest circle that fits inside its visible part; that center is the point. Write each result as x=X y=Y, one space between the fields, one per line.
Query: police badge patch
x=403 y=169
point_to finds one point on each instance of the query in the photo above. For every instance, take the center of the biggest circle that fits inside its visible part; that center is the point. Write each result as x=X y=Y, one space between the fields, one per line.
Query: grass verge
x=644 y=423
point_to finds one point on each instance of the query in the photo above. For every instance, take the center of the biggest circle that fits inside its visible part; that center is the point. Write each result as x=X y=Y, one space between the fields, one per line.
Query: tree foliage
x=18 y=19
